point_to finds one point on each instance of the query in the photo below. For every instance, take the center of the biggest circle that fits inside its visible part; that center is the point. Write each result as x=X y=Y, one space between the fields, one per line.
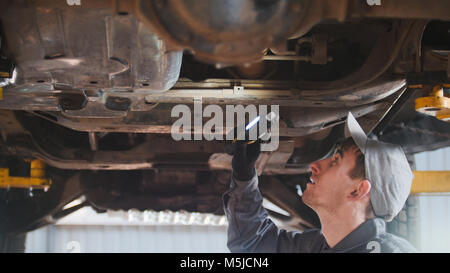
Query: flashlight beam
x=252 y=123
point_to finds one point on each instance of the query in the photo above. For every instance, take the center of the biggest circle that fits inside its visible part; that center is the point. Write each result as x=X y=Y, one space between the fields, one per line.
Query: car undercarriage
x=88 y=88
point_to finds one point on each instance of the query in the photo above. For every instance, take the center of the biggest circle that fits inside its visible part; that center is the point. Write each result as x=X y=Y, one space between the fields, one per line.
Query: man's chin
x=307 y=199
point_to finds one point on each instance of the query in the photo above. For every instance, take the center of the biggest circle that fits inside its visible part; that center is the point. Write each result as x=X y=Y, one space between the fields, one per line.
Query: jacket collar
x=367 y=231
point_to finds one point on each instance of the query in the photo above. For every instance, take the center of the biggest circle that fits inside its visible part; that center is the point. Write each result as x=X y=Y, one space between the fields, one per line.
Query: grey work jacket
x=250 y=229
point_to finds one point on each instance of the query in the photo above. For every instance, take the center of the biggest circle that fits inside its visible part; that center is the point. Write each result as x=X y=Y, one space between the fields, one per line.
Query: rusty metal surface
x=86 y=47
x=301 y=120
x=224 y=32
x=153 y=151
x=381 y=58
x=407 y=9
x=295 y=96
x=121 y=104
x=236 y=32
x=158 y=152
x=116 y=46
x=101 y=66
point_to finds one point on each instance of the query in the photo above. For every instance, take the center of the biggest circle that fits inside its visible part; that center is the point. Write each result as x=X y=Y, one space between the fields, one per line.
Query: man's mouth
x=311 y=180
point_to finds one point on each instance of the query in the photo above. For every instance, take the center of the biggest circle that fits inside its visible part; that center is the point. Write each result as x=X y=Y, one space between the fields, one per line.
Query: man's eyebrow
x=339 y=151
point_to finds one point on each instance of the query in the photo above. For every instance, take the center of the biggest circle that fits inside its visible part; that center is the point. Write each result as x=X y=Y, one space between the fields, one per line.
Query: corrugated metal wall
x=127 y=239
x=434 y=210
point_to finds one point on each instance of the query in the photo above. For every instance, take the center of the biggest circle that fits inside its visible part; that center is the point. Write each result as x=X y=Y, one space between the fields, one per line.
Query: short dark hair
x=359 y=171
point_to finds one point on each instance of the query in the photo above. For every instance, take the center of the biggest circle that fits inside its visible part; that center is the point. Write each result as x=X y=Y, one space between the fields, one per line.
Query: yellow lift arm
x=436 y=104
x=431 y=182
x=35 y=181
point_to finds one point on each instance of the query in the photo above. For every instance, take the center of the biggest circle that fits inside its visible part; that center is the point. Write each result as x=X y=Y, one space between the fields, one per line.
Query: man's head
x=363 y=174
x=339 y=181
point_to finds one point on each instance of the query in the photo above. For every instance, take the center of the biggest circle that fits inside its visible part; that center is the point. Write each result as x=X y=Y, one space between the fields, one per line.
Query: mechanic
x=354 y=192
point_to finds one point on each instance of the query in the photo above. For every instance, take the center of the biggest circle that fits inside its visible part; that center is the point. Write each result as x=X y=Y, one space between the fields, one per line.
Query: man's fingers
x=240 y=148
x=243 y=162
x=253 y=150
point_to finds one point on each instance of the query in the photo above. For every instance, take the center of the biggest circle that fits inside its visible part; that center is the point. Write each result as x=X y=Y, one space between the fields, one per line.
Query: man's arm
x=250 y=229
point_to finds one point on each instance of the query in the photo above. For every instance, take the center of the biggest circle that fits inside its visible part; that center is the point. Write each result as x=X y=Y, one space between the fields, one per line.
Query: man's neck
x=337 y=225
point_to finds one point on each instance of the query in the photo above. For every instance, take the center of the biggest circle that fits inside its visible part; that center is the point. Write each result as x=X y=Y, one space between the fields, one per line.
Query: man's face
x=331 y=183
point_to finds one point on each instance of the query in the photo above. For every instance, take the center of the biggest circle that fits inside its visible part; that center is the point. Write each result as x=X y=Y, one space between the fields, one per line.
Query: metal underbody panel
x=110 y=67
x=86 y=49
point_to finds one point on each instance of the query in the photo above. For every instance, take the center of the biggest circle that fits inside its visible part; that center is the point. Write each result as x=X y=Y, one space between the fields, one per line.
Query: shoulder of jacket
x=392 y=243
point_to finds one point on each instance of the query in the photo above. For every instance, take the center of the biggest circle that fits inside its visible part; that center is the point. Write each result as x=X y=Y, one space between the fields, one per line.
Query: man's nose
x=315 y=168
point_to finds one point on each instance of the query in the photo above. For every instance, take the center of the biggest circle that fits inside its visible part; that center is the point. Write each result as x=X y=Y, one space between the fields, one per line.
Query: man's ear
x=361 y=190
